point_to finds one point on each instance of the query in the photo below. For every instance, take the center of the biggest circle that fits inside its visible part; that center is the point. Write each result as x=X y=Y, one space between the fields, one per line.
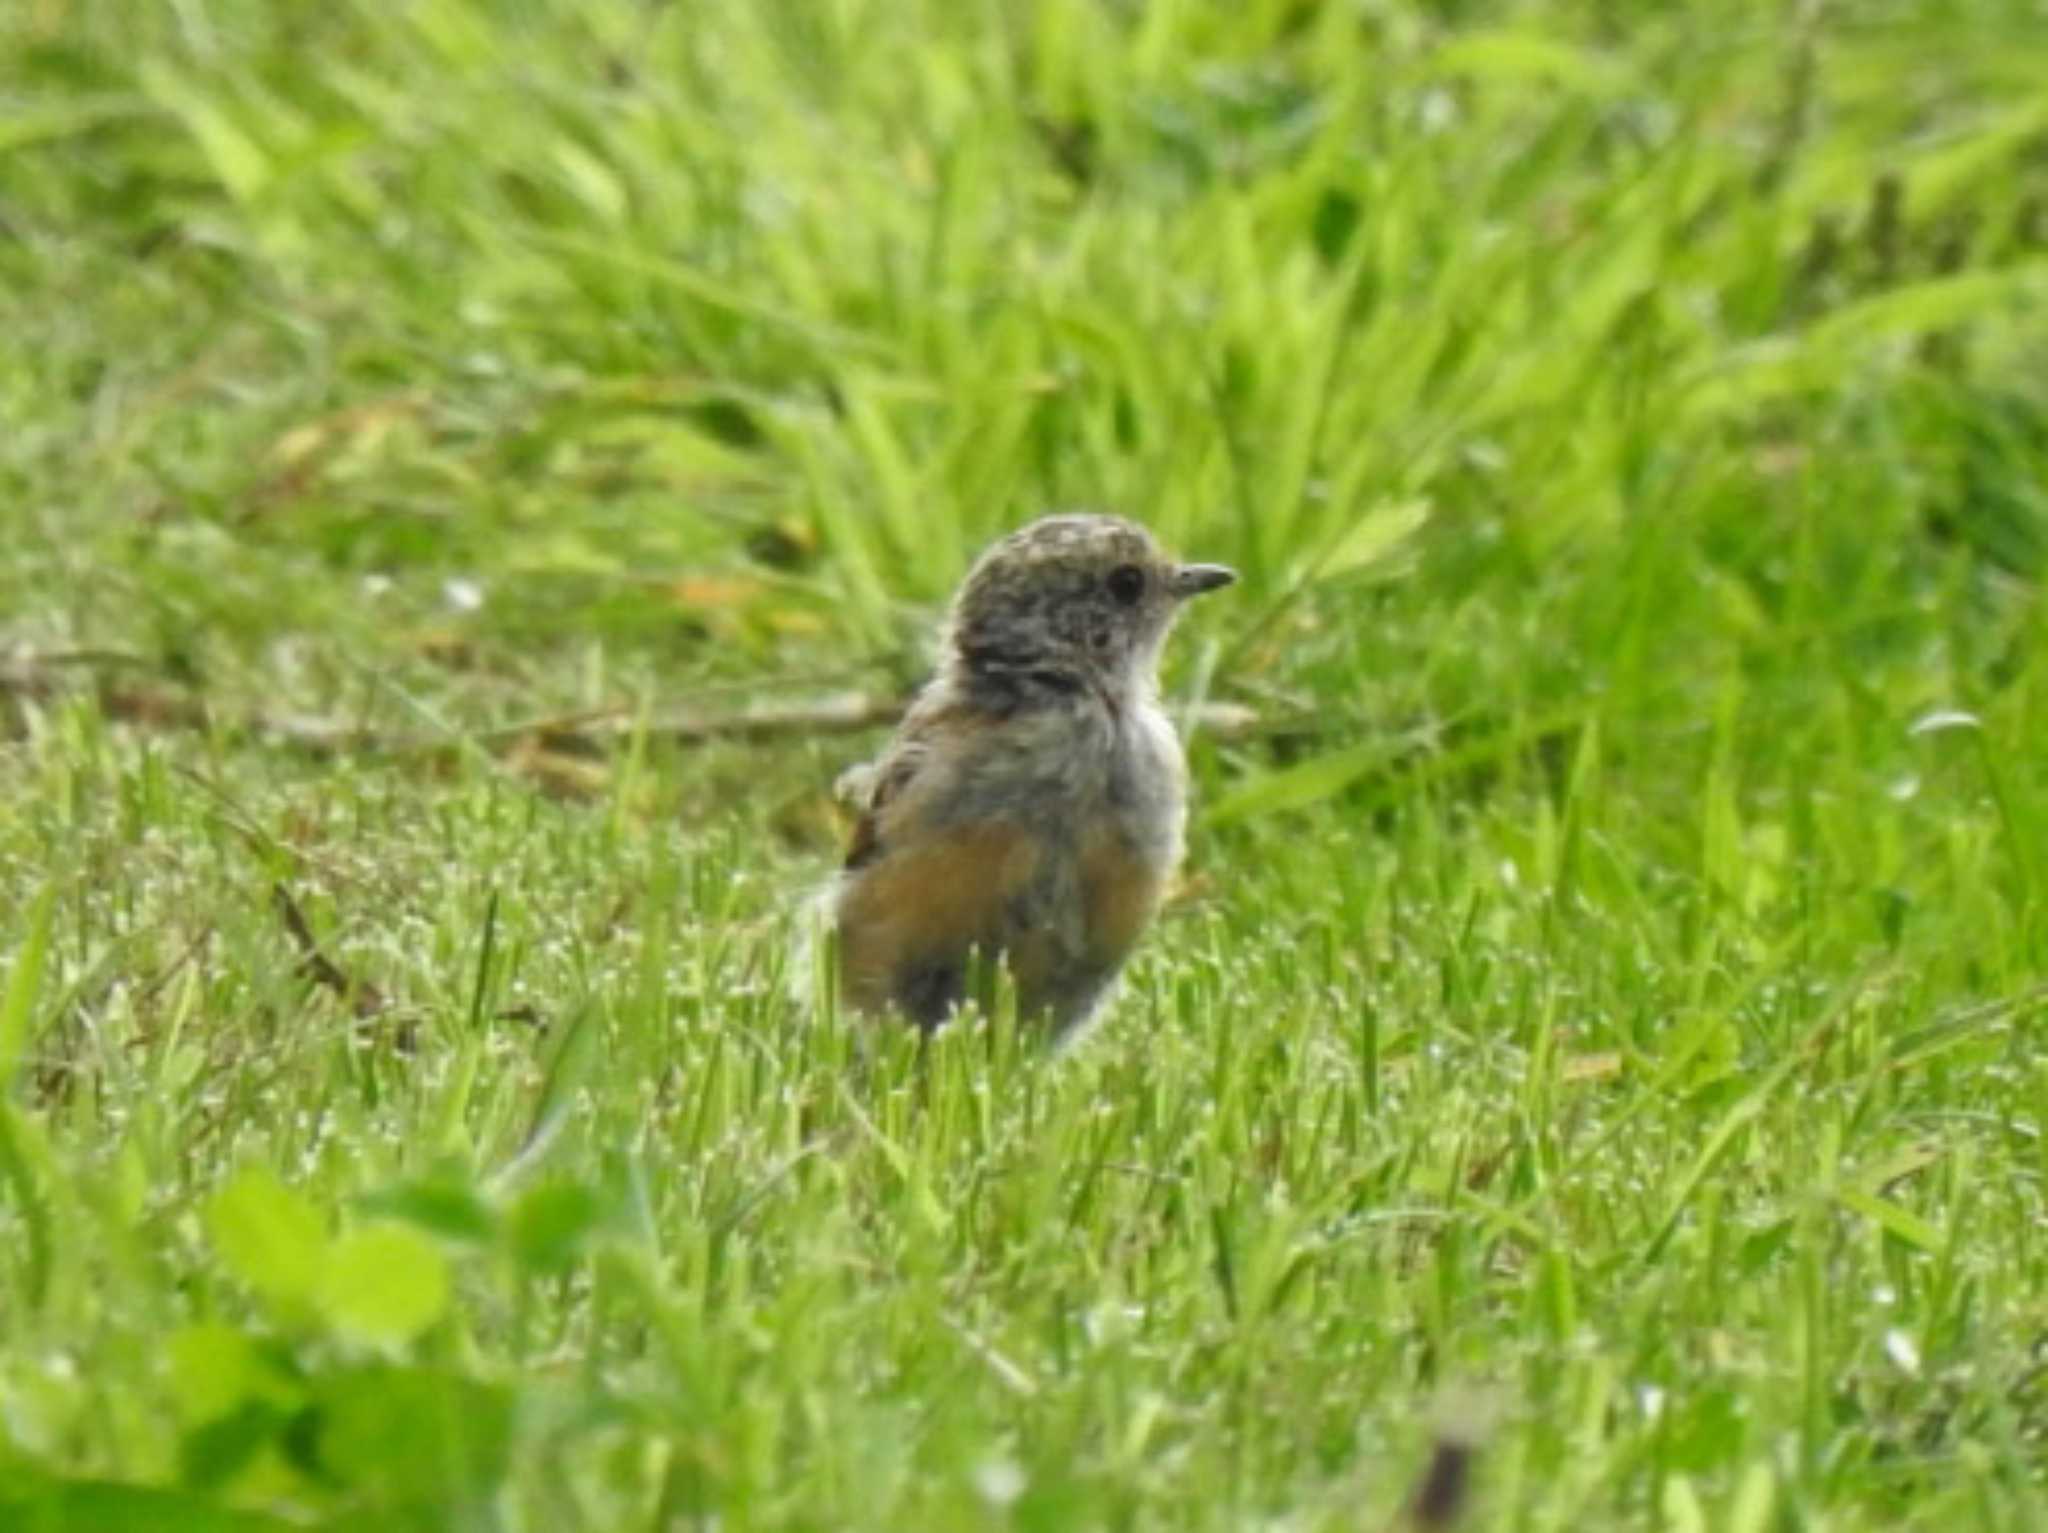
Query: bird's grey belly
x=1106 y=818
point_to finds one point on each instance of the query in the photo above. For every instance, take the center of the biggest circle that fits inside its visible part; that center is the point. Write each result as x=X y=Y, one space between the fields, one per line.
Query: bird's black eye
x=1126 y=583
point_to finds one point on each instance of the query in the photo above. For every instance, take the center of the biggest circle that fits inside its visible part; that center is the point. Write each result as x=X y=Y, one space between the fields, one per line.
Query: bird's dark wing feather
x=887 y=779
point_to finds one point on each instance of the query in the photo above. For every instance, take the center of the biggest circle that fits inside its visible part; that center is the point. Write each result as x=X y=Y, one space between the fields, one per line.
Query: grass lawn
x=473 y=471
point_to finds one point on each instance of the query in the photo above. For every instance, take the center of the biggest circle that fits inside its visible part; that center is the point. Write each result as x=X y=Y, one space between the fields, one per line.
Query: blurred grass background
x=1605 y=997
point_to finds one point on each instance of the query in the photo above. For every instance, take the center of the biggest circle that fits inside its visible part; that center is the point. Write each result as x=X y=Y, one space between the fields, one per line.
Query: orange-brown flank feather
x=927 y=904
x=1122 y=893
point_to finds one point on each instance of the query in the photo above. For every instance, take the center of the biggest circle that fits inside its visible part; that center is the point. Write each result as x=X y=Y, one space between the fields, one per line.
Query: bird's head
x=1072 y=602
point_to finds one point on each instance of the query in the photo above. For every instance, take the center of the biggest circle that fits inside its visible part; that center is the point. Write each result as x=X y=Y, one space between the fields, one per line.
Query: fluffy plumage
x=1031 y=805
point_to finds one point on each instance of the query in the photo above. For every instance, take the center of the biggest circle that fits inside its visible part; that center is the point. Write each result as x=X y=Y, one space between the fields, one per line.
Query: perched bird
x=1032 y=803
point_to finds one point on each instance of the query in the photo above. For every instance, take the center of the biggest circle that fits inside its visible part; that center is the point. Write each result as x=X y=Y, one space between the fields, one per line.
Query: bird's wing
x=873 y=787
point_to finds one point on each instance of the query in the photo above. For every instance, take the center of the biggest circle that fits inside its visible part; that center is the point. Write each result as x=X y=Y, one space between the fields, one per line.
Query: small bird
x=1032 y=803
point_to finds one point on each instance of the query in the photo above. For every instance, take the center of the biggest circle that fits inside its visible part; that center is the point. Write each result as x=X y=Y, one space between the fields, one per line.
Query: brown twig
x=360 y=996
x=1444 y=1491
x=591 y=730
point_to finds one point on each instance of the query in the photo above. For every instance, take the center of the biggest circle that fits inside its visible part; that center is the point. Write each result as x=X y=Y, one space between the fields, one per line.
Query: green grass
x=1604 y=1015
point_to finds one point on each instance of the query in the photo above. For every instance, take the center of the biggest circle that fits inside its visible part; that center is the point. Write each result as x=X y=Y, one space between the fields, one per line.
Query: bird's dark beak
x=1194 y=579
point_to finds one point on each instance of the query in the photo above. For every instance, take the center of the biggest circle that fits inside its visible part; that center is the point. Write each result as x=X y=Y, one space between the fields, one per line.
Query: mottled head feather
x=1071 y=603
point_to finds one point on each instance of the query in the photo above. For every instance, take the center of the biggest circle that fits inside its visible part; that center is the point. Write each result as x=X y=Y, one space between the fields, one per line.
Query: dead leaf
x=1590 y=1067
